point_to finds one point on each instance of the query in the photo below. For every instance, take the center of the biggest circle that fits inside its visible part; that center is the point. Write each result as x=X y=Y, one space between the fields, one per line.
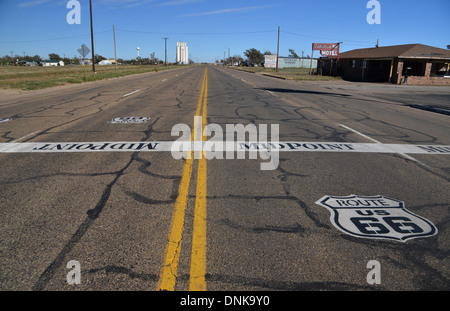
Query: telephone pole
x=165 y=57
x=115 y=54
x=278 y=46
x=92 y=38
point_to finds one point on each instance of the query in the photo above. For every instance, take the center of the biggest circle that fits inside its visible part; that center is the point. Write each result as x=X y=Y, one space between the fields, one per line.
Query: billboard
x=287 y=62
x=270 y=61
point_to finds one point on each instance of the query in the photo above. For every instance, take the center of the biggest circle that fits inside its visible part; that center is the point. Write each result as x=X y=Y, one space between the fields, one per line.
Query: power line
x=196 y=33
x=54 y=39
x=187 y=33
x=315 y=37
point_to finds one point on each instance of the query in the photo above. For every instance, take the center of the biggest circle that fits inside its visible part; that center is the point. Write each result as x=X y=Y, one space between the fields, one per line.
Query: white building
x=182 y=53
x=53 y=63
x=105 y=62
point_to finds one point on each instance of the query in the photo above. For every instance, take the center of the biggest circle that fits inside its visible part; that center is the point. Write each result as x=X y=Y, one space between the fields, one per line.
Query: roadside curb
x=274 y=76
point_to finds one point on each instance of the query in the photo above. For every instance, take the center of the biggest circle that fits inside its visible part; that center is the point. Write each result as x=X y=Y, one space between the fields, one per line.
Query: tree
x=254 y=56
x=98 y=58
x=235 y=59
x=76 y=60
x=54 y=56
x=448 y=47
x=267 y=52
x=293 y=54
x=153 y=59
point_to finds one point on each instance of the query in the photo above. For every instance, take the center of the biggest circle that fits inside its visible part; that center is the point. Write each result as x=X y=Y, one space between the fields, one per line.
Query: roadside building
x=27 y=63
x=105 y=62
x=399 y=64
x=86 y=62
x=48 y=63
x=270 y=61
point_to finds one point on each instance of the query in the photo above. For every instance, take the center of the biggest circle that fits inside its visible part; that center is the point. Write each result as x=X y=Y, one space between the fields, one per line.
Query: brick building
x=409 y=63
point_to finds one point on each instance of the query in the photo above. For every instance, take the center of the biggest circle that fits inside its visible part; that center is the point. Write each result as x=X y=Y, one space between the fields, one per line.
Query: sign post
x=84 y=50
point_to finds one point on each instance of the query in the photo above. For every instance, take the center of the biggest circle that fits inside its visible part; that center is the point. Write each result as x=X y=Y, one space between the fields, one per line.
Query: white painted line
x=163 y=80
x=130 y=93
x=129 y=120
x=22 y=138
x=376 y=141
x=220 y=146
x=361 y=134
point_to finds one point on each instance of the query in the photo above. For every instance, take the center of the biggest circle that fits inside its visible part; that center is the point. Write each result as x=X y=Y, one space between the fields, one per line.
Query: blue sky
x=211 y=27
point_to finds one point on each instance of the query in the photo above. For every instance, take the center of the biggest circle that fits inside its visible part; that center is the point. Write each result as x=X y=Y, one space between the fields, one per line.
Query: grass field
x=33 y=78
x=289 y=73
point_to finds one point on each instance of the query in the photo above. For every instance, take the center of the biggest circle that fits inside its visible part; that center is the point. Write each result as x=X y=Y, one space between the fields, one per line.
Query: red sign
x=324 y=46
x=327 y=49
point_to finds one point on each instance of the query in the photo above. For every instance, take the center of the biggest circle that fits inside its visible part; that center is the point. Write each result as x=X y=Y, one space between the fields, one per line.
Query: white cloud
x=231 y=10
x=31 y=3
x=178 y=2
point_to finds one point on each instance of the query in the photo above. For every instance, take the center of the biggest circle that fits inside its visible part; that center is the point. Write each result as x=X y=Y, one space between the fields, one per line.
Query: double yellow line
x=168 y=276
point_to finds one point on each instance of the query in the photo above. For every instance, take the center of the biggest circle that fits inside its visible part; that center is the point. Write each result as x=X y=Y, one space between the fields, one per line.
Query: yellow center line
x=168 y=275
x=197 y=273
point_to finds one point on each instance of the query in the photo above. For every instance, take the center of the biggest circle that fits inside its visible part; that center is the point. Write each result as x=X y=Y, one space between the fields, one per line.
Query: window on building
x=352 y=63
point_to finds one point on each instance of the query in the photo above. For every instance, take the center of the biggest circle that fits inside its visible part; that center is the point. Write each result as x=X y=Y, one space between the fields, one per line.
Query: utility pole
x=115 y=54
x=278 y=46
x=165 y=57
x=92 y=38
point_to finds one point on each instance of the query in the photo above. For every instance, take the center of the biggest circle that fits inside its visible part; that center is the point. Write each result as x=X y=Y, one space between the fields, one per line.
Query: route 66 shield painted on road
x=376 y=217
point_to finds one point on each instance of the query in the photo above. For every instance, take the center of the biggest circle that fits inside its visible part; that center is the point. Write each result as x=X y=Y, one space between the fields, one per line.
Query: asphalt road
x=146 y=221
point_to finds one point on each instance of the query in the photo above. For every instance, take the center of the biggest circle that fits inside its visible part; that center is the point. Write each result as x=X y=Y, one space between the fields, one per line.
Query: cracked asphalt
x=112 y=211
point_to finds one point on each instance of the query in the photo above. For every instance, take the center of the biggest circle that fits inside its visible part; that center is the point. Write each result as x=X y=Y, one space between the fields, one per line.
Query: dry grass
x=33 y=78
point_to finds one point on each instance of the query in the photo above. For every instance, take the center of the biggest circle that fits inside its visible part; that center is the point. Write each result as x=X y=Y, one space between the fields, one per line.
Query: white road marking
x=221 y=146
x=130 y=93
x=361 y=134
x=376 y=141
x=22 y=138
